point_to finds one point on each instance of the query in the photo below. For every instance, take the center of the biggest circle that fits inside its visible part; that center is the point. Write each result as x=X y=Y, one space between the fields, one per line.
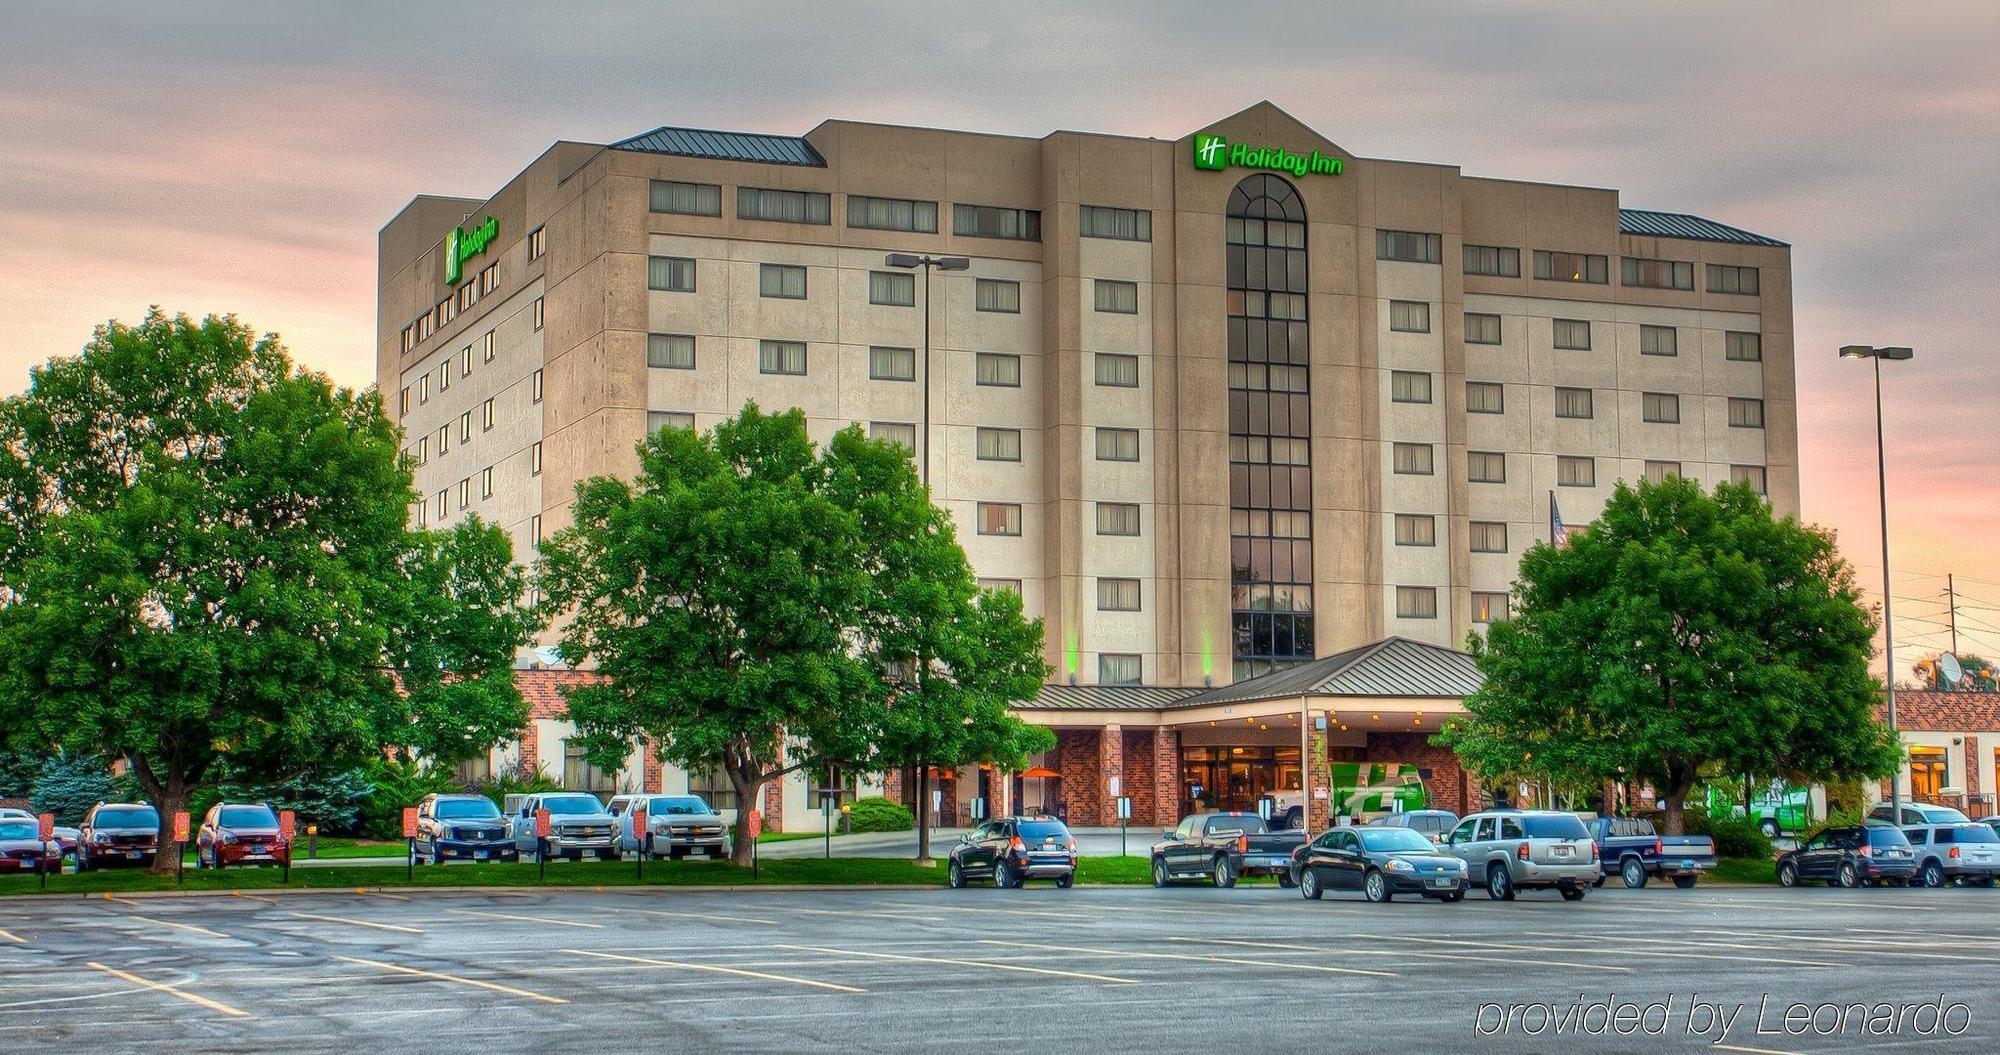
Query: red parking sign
x=542 y=822
x=48 y=830
x=639 y=825
x=288 y=824
x=409 y=822
x=180 y=826
x=756 y=824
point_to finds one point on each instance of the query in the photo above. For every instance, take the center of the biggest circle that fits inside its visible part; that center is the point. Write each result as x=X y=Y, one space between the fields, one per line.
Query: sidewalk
x=1090 y=842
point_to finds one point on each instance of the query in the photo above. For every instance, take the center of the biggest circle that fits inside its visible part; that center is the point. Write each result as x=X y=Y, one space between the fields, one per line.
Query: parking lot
x=921 y=969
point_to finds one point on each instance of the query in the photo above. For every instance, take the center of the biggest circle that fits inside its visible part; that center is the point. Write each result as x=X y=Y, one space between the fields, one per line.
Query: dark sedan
x=1876 y=854
x=22 y=848
x=1379 y=862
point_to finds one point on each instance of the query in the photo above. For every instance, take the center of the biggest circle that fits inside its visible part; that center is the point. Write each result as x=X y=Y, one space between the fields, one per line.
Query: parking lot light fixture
x=929 y=263
x=1893 y=354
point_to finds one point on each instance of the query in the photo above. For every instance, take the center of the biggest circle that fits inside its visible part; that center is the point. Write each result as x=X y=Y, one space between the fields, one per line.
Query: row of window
x=1490 y=397
x=1572 y=470
x=1421 y=602
x=676 y=351
x=1554 y=265
x=440 y=314
x=1572 y=334
x=443 y=374
x=893 y=214
x=677 y=274
x=1004 y=445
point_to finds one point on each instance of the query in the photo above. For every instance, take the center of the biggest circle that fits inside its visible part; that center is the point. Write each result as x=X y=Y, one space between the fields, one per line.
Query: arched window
x=1270 y=428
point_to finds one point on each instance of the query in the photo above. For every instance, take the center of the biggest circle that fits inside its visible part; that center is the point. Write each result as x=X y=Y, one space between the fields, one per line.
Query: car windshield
x=1626 y=827
x=1236 y=825
x=680 y=806
x=572 y=804
x=1553 y=826
x=247 y=817
x=1943 y=815
x=19 y=830
x=1040 y=831
x=1391 y=840
x=129 y=817
x=1886 y=836
x=467 y=810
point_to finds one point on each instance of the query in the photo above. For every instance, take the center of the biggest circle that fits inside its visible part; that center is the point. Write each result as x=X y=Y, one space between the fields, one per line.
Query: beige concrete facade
x=590 y=204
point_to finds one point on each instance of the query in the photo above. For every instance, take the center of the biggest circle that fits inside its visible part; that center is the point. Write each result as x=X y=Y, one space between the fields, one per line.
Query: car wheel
x=1573 y=893
x=1769 y=827
x=1684 y=882
x=1309 y=884
x=1848 y=877
x=1932 y=874
x=955 y=875
x=437 y=854
x=1064 y=882
x=1499 y=885
x=1633 y=872
x=1160 y=877
x=1285 y=878
x=82 y=862
x=1221 y=873
x=1295 y=817
x=1375 y=887
x=1003 y=876
x=1788 y=874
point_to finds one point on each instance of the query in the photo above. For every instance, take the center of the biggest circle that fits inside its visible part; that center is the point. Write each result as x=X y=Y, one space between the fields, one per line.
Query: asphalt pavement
x=1111 y=968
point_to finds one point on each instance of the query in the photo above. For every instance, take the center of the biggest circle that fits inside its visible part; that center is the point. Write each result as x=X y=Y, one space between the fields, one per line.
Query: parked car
x=1381 y=861
x=116 y=833
x=1513 y=850
x=578 y=825
x=22 y=848
x=1630 y=848
x=468 y=826
x=1954 y=853
x=1223 y=846
x=681 y=825
x=66 y=836
x=1431 y=824
x=1918 y=813
x=240 y=833
x=1013 y=850
x=1777 y=807
x=1849 y=856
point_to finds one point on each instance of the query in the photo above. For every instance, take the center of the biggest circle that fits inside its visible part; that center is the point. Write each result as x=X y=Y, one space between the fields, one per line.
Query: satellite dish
x=1949 y=671
x=549 y=656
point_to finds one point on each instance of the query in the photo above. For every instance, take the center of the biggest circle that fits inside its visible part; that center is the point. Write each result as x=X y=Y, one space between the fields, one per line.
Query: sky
x=219 y=157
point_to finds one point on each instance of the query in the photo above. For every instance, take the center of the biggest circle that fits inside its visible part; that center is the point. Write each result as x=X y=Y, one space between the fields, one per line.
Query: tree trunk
x=748 y=797
x=923 y=818
x=1673 y=805
x=169 y=796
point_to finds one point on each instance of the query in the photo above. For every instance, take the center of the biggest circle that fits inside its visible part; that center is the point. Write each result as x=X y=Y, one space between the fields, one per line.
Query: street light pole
x=1862 y=351
x=928 y=263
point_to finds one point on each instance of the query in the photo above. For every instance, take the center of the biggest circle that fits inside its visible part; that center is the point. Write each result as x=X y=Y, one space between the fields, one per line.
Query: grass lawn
x=1743 y=870
x=792 y=837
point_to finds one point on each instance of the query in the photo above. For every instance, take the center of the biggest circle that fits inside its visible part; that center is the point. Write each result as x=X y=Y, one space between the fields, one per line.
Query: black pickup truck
x=1221 y=846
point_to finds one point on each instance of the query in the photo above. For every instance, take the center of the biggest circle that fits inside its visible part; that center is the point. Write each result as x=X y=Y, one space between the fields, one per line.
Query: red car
x=238 y=833
x=22 y=850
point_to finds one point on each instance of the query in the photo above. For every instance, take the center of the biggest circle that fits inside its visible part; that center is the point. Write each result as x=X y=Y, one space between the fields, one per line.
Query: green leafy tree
x=204 y=555
x=1682 y=633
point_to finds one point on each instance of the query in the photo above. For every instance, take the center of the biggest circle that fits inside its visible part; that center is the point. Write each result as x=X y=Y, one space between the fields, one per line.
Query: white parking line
x=1002 y=911
x=696 y=915
x=1021 y=968
x=177 y=926
x=1403 y=952
x=357 y=922
x=1194 y=958
x=163 y=987
x=717 y=970
x=437 y=976
x=865 y=913
x=1512 y=947
x=527 y=919
x=8 y=935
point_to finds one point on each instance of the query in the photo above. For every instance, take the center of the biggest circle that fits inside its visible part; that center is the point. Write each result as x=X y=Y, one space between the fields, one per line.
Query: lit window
x=465 y=427
x=486 y=415
x=1488 y=607
x=486 y=347
x=1572 y=267
x=538 y=243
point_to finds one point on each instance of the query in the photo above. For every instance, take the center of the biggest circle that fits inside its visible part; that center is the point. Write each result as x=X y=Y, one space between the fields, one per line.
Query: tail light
x=1659 y=847
x=1242 y=844
x=1954 y=851
x=1593 y=849
x=1521 y=851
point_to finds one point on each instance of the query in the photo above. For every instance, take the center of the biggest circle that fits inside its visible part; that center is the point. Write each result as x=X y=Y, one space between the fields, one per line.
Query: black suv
x=1013 y=850
x=1875 y=854
x=468 y=826
x=115 y=833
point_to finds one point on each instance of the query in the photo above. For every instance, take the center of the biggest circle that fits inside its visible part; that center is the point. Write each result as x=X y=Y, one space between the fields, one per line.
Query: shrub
x=69 y=785
x=500 y=785
x=881 y=815
x=396 y=783
x=333 y=801
x=1733 y=836
x=1837 y=819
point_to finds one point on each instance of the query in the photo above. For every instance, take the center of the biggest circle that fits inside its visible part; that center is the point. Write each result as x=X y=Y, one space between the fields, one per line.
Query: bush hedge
x=1733 y=836
x=882 y=815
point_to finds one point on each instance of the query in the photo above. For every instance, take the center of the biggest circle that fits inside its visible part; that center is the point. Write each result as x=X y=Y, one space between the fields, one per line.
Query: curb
x=402 y=891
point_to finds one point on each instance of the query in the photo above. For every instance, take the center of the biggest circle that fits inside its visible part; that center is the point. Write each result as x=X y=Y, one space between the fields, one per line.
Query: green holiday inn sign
x=464 y=243
x=1217 y=153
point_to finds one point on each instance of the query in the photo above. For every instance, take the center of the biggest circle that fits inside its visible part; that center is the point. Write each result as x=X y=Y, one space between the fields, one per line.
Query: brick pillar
x=1971 y=783
x=531 y=750
x=1110 y=764
x=1166 y=778
x=1319 y=775
x=1082 y=768
x=651 y=776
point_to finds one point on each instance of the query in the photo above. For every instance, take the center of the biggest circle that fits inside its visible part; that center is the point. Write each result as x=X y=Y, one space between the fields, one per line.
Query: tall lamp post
x=1862 y=351
x=928 y=263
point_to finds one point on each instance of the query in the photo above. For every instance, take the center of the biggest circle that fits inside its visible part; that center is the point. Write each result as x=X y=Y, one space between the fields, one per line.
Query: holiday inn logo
x=1215 y=153
x=464 y=243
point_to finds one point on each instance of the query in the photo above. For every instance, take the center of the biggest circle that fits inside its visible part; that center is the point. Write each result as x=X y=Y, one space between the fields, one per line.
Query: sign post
x=180 y=846
x=755 y=826
x=288 y=827
x=1124 y=820
x=642 y=833
x=46 y=831
x=541 y=843
x=827 y=798
x=410 y=836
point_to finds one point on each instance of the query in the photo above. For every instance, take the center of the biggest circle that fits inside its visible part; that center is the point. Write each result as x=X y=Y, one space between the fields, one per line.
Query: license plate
x=258 y=849
x=132 y=855
x=1447 y=883
x=1562 y=851
x=1689 y=863
x=479 y=855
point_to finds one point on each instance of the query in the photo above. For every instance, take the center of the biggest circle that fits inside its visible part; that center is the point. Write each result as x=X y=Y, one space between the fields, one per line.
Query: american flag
x=1558 y=532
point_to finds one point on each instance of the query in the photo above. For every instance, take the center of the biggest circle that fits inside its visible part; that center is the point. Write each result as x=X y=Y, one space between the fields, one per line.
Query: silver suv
x=1966 y=853
x=578 y=825
x=1525 y=850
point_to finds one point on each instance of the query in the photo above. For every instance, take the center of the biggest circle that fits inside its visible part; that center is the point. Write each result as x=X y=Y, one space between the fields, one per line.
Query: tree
x=204 y=555
x=730 y=596
x=1681 y=633
x=1977 y=674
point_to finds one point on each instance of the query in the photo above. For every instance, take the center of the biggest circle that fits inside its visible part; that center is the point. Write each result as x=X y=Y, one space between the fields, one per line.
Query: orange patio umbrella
x=1041 y=771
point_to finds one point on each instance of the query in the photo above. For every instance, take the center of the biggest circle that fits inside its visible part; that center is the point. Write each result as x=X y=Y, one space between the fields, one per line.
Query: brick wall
x=1166 y=778
x=1319 y=775
x=1081 y=768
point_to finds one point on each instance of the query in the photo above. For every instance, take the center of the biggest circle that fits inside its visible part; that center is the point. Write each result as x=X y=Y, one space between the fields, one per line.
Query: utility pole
x=1951 y=602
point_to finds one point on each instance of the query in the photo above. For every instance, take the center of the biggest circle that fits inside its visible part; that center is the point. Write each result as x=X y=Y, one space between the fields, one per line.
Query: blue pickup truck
x=1629 y=848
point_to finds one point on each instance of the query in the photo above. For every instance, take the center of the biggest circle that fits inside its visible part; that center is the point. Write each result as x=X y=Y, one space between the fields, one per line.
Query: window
x=999 y=518
x=894 y=288
x=486 y=416
x=426 y=325
x=1489 y=536
x=998 y=369
x=535 y=459
x=409 y=337
x=1409 y=386
x=423 y=390
x=996 y=294
x=1743 y=347
x=580 y=775
x=892 y=214
x=1416 y=602
x=665 y=419
x=998 y=445
x=534 y=527
x=489 y=278
x=538 y=243
x=670 y=351
x=1656 y=274
x=1117 y=595
x=1414 y=529
x=403 y=402
x=673 y=274
x=1012 y=586
x=465 y=361
x=465 y=492
x=1132 y=225
x=713 y=785
x=1662 y=408
x=1723 y=278
x=465 y=427
x=535 y=387
x=444 y=438
x=1573 y=403
x=1116 y=296
x=444 y=376
x=783 y=206
x=1267 y=304
x=443 y=503
x=1117 y=371
x=781 y=281
x=1117 y=518
x=1659 y=340
x=1753 y=475
x=1486 y=467
x=1117 y=445
x=1572 y=335
x=1746 y=413
x=486 y=482
x=892 y=364
x=535 y=314
x=1572 y=267
x=781 y=357
x=1574 y=471
x=424 y=450
x=1485 y=397
x=1413 y=246
x=688 y=199
x=1413 y=459
x=1657 y=472
x=900 y=432
x=1409 y=316
x=1488 y=607
x=487 y=348
x=996 y=221
x=1118 y=669
x=1503 y=261
x=1482 y=328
